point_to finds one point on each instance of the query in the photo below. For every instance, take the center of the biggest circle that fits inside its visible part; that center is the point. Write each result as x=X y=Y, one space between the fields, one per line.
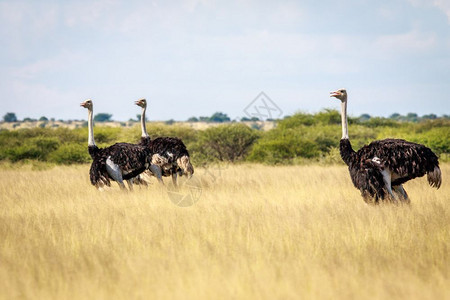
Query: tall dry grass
x=256 y=232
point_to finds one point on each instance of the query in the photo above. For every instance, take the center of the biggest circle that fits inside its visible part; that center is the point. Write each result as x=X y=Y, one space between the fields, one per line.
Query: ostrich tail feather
x=435 y=177
x=184 y=163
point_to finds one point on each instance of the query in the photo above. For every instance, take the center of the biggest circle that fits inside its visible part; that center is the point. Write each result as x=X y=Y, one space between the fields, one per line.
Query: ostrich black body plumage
x=93 y=150
x=131 y=159
x=364 y=177
x=380 y=168
x=121 y=161
x=169 y=153
x=405 y=159
x=171 y=149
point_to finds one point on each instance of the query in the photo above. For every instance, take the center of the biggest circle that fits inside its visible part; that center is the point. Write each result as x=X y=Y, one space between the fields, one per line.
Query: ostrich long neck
x=345 y=147
x=344 y=119
x=143 y=128
x=91 y=141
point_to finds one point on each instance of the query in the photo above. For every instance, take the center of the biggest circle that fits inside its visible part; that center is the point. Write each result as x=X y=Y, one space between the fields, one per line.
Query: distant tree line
x=220 y=117
x=410 y=117
x=11 y=117
x=217 y=117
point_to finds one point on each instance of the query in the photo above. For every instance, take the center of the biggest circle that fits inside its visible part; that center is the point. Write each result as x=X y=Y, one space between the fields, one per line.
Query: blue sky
x=196 y=57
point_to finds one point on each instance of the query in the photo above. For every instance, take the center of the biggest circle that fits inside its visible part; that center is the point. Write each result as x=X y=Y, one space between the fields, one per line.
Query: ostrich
x=169 y=153
x=121 y=161
x=383 y=166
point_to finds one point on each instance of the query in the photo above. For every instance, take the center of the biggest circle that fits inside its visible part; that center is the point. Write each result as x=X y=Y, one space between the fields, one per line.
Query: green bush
x=328 y=117
x=377 y=122
x=229 y=142
x=438 y=139
x=37 y=148
x=23 y=152
x=283 y=146
x=70 y=154
x=297 y=120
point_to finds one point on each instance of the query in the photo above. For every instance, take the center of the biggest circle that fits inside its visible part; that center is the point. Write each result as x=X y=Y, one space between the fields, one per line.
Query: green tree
x=219 y=117
x=138 y=118
x=229 y=142
x=27 y=119
x=192 y=119
x=412 y=117
x=430 y=116
x=252 y=119
x=395 y=116
x=10 y=117
x=102 y=117
x=364 y=117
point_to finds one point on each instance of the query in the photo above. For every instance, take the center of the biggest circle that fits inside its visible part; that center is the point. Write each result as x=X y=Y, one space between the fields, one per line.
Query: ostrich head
x=340 y=94
x=141 y=102
x=87 y=104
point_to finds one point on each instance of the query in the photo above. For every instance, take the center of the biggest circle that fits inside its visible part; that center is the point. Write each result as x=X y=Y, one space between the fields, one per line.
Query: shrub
x=34 y=148
x=229 y=142
x=437 y=139
x=378 y=122
x=297 y=120
x=69 y=154
x=105 y=135
x=282 y=146
x=328 y=117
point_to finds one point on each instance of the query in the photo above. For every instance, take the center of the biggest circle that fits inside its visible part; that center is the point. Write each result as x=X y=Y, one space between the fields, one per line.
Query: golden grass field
x=297 y=232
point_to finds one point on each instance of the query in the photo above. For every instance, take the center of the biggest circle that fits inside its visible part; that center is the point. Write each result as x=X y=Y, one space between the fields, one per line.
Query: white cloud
x=98 y=14
x=22 y=24
x=59 y=63
x=443 y=5
x=413 y=42
x=16 y=17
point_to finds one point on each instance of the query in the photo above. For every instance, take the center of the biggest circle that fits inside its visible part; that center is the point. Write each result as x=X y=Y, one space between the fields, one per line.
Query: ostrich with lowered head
x=121 y=161
x=169 y=153
x=380 y=168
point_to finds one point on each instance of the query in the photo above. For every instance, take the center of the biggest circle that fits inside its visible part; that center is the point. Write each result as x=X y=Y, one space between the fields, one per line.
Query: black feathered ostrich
x=380 y=168
x=169 y=153
x=121 y=161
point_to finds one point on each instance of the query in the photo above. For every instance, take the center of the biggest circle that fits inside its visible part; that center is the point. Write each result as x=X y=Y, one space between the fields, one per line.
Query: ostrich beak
x=82 y=104
x=334 y=94
x=139 y=102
